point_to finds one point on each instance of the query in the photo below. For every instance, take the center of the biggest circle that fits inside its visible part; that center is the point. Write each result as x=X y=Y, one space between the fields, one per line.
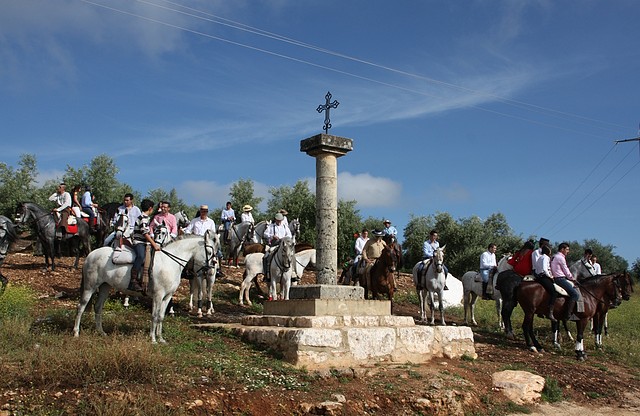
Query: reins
x=599 y=300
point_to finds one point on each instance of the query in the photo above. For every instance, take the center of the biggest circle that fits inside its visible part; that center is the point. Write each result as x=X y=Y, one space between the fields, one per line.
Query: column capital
x=326 y=143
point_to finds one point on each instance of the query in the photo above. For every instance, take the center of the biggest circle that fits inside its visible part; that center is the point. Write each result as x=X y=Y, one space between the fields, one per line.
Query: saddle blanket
x=95 y=220
x=123 y=255
x=72 y=229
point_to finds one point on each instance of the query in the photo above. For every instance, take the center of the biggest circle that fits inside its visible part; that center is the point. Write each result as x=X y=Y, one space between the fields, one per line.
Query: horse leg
x=103 y=294
x=606 y=324
x=210 y=282
x=507 y=310
x=498 y=310
x=472 y=306
x=527 y=330
x=160 y=303
x=423 y=313
x=85 y=298
x=555 y=330
x=432 y=307
x=580 y=352
x=441 y=308
x=3 y=281
x=597 y=324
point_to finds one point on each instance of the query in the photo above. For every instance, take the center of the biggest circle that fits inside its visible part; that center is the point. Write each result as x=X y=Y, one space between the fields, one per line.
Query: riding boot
x=134 y=283
x=485 y=296
x=570 y=306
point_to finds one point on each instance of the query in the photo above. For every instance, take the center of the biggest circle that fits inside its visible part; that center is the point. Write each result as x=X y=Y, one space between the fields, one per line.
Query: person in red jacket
x=521 y=261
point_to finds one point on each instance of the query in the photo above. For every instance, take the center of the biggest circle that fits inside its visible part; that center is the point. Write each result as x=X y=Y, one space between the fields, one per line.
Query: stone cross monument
x=326 y=149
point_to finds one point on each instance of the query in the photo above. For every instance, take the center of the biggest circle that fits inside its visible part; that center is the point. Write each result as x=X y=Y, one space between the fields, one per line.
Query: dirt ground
x=596 y=386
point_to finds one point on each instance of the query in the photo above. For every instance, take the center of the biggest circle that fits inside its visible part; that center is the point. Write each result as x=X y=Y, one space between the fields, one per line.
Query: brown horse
x=381 y=278
x=599 y=294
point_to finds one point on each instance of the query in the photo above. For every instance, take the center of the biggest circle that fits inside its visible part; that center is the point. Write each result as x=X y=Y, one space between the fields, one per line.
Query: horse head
x=294 y=227
x=388 y=257
x=438 y=259
x=161 y=234
x=626 y=285
x=121 y=224
x=286 y=253
x=207 y=258
x=182 y=218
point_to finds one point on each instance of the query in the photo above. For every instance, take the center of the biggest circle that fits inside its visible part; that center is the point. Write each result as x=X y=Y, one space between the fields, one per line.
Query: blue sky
x=466 y=107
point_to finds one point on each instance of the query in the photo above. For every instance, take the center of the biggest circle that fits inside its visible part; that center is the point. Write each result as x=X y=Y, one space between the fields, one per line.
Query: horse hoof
x=533 y=349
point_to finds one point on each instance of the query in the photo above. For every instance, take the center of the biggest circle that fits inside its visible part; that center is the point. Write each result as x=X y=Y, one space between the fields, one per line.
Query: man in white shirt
x=488 y=264
x=274 y=232
x=63 y=199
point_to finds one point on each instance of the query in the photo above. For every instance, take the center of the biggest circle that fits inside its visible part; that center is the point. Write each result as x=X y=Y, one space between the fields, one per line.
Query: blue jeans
x=89 y=210
x=566 y=285
x=141 y=251
x=485 y=275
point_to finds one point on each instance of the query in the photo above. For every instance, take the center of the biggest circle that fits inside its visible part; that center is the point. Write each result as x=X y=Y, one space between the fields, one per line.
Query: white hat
x=247 y=208
x=386 y=221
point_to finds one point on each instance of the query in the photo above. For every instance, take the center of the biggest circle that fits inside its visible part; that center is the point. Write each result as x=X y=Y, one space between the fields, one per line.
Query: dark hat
x=377 y=233
x=88 y=187
x=543 y=241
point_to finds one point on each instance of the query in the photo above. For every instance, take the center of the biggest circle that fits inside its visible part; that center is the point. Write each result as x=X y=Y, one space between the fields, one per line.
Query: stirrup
x=445 y=287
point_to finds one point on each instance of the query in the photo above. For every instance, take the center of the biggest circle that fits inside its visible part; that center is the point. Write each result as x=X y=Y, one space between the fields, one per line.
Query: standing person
x=542 y=273
x=488 y=265
x=537 y=253
x=563 y=278
x=274 y=232
x=228 y=217
x=200 y=225
x=246 y=215
x=76 y=205
x=521 y=261
x=596 y=266
x=389 y=229
x=88 y=206
x=141 y=238
x=168 y=218
x=428 y=249
x=63 y=200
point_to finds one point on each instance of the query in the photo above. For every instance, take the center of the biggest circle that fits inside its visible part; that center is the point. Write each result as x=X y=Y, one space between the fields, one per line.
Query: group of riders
x=545 y=269
x=368 y=250
x=142 y=223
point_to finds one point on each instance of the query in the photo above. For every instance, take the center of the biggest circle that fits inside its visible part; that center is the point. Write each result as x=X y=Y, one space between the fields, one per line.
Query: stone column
x=326 y=149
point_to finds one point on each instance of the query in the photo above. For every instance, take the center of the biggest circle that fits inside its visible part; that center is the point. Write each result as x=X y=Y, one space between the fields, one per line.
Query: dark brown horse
x=599 y=294
x=381 y=279
x=392 y=242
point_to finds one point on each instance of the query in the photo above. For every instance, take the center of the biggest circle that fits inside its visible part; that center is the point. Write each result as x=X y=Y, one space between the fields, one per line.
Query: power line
x=346 y=73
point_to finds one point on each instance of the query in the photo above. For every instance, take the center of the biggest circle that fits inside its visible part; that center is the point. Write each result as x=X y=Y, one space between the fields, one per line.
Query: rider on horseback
x=542 y=270
x=274 y=232
x=371 y=251
x=228 y=217
x=488 y=265
x=141 y=238
x=63 y=199
x=563 y=278
x=389 y=229
x=428 y=248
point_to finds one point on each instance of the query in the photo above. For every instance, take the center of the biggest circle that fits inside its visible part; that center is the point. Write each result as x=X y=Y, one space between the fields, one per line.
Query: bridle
x=209 y=260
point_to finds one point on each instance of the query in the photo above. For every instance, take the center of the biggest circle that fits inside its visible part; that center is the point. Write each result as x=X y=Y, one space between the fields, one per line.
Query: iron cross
x=326 y=107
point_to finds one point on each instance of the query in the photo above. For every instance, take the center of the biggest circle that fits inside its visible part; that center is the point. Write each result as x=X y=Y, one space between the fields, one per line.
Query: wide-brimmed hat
x=283 y=212
x=204 y=207
x=279 y=217
x=247 y=208
x=87 y=188
x=386 y=221
x=377 y=233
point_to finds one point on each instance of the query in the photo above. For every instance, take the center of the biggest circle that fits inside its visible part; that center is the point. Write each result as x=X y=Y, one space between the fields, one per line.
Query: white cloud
x=368 y=190
x=453 y=193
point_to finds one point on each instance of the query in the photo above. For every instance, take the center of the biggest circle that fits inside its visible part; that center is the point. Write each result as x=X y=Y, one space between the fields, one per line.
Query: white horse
x=472 y=287
x=304 y=259
x=99 y=274
x=202 y=283
x=281 y=270
x=430 y=278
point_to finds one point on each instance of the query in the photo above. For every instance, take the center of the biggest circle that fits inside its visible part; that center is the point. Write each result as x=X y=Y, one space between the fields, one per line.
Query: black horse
x=7 y=236
x=45 y=224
